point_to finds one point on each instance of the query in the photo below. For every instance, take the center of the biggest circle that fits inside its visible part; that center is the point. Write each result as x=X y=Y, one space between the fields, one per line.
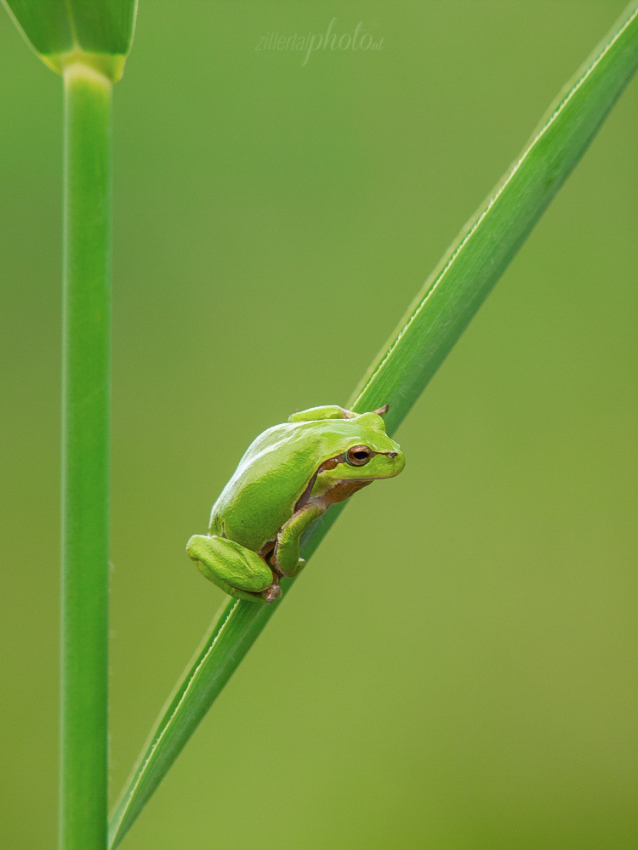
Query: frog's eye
x=359 y=455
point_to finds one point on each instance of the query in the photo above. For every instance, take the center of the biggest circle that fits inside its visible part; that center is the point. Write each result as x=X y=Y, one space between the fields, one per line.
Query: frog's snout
x=396 y=462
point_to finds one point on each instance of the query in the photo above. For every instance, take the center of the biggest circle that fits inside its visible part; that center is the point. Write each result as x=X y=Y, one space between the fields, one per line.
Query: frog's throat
x=339 y=492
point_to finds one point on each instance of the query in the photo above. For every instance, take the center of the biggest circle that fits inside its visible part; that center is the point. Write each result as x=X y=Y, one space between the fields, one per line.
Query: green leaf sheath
x=61 y=31
x=434 y=322
x=85 y=458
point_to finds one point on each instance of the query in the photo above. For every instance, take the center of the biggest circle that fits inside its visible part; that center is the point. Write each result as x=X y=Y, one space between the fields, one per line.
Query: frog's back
x=271 y=476
x=277 y=468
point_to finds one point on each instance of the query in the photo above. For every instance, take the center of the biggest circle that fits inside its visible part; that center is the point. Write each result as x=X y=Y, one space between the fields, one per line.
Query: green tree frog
x=289 y=476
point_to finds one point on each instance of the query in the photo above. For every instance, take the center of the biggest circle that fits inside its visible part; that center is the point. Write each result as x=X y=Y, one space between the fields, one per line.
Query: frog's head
x=367 y=453
x=374 y=455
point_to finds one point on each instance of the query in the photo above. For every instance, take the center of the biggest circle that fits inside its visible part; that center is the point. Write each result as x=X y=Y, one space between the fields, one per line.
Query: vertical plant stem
x=85 y=458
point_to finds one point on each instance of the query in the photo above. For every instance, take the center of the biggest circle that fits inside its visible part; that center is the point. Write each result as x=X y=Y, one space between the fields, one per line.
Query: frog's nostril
x=392 y=454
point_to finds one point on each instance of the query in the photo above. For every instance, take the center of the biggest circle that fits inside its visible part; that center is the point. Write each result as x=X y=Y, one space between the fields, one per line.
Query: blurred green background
x=456 y=668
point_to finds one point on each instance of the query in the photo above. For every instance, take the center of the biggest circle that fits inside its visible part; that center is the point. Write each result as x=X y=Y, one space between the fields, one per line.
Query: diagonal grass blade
x=434 y=322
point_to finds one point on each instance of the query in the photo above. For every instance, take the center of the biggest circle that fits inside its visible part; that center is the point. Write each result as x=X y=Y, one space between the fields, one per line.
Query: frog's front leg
x=237 y=570
x=285 y=558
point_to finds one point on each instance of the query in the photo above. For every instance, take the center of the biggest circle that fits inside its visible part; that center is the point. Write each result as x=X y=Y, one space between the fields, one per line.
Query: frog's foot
x=271 y=593
x=295 y=571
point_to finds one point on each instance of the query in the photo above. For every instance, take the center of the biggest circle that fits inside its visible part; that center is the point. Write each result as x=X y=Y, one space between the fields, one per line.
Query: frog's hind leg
x=240 y=572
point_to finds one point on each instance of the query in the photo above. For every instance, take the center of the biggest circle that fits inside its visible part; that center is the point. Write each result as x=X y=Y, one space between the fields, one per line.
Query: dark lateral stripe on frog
x=331 y=463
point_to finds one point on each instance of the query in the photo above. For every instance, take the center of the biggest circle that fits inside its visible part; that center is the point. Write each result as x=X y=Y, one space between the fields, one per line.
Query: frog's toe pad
x=271 y=593
x=300 y=565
